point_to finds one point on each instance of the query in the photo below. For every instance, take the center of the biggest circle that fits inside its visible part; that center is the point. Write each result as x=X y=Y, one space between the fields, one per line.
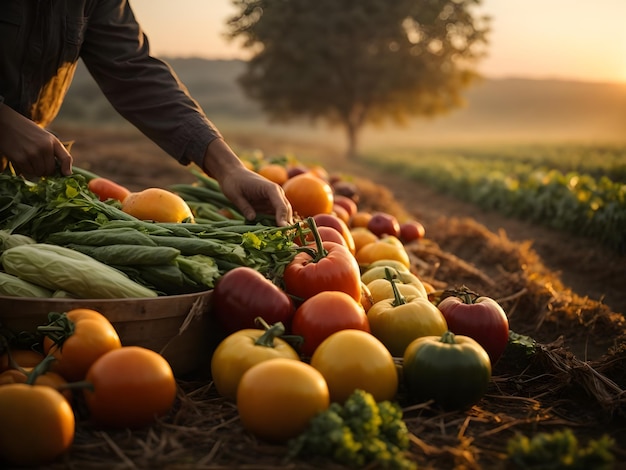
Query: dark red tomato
x=382 y=223
x=327 y=267
x=324 y=314
x=334 y=222
x=411 y=230
x=480 y=318
x=242 y=294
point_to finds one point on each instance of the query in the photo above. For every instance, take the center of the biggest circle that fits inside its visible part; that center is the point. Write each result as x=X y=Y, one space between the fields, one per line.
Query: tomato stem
x=271 y=332
x=448 y=338
x=398 y=298
x=39 y=369
x=320 y=252
x=59 y=328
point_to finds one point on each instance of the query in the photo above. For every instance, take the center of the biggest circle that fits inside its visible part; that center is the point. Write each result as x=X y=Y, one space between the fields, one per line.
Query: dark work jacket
x=41 y=42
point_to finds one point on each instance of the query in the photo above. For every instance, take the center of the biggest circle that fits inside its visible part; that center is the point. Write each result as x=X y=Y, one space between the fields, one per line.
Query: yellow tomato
x=362 y=236
x=243 y=349
x=277 y=398
x=354 y=359
x=381 y=289
x=397 y=324
x=382 y=250
x=159 y=205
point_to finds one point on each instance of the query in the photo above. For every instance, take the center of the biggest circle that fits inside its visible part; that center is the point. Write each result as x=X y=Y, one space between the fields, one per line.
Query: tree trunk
x=352 y=134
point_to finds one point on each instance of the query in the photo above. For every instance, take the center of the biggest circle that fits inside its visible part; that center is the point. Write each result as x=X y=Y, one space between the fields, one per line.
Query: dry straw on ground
x=576 y=379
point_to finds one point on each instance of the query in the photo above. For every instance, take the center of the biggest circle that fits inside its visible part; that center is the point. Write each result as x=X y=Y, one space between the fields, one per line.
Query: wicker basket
x=177 y=326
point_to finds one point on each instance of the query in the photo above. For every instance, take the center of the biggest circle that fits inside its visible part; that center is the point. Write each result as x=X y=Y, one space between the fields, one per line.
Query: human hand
x=31 y=150
x=253 y=194
x=250 y=192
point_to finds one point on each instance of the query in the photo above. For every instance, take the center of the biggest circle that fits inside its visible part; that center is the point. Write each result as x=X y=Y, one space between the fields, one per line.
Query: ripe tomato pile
x=352 y=314
x=82 y=361
x=349 y=313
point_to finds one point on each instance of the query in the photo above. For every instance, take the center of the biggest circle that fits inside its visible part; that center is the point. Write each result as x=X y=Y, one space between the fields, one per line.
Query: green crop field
x=575 y=188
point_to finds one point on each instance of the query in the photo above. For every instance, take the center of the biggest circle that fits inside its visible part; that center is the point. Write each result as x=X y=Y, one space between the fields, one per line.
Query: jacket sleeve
x=142 y=88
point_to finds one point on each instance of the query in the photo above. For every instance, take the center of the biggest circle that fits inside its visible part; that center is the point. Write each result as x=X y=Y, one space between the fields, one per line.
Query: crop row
x=590 y=203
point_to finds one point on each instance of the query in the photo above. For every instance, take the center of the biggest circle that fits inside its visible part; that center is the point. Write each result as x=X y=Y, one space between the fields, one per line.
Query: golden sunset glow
x=530 y=38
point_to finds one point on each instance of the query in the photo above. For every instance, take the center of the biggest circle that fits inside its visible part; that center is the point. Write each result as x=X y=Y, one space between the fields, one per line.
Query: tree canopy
x=355 y=62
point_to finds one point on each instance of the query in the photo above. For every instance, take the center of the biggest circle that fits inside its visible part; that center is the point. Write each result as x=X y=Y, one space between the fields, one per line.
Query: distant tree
x=356 y=62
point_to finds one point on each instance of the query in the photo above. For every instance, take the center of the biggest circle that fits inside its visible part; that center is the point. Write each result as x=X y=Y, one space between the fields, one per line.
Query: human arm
x=147 y=93
x=31 y=149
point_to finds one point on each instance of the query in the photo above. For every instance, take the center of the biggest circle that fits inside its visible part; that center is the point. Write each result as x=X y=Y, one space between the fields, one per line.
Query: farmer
x=40 y=44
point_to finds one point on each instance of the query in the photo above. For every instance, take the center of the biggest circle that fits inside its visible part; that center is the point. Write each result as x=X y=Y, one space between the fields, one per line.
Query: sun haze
x=530 y=38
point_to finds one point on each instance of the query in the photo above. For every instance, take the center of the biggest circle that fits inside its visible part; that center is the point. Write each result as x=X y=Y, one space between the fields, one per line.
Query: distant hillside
x=502 y=110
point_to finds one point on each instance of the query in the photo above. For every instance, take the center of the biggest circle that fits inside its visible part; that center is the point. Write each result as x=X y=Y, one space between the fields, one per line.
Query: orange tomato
x=362 y=236
x=132 y=386
x=91 y=336
x=360 y=219
x=105 y=189
x=38 y=424
x=309 y=195
x=157 y=204
x=21 y=357
x=274 y=172
x=50 y=379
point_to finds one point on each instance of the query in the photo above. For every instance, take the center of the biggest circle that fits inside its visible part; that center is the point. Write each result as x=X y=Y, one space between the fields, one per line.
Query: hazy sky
x=573 y=39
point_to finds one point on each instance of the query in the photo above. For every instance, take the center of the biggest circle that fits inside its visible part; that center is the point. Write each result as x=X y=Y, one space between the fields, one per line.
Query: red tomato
x=242 y=294
x=330 y=267
x=340 y=212
x=88 y=335
x=327 y=234
x=411 y=230
x=332 y=221
x=347 y=203
x=382 y=223
x=132 y=386
x=325 y=313
x=480 y=318
x=105 y=189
